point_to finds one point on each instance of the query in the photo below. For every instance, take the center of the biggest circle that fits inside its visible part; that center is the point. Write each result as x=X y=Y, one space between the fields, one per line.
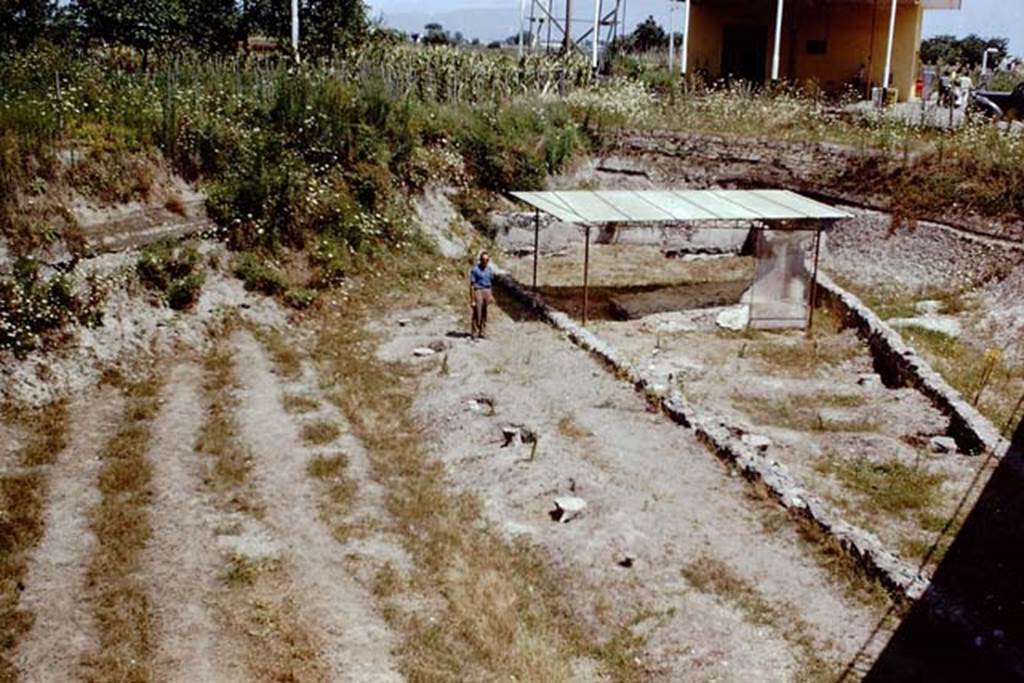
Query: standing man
x=480 y=296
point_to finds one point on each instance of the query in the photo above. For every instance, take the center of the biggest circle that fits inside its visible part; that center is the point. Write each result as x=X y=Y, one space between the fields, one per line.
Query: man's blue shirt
x=481 y=277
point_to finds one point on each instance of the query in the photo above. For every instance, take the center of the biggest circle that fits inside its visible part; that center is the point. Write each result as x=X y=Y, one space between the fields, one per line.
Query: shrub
x=259 y=274
x=33 y=310
x=300 y=297
x=185 y=292
x=173 y=269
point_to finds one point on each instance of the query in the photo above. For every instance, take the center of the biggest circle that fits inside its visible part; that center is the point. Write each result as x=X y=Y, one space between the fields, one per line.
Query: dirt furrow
x=63 y=629
x=357 y=644
x=181 y=560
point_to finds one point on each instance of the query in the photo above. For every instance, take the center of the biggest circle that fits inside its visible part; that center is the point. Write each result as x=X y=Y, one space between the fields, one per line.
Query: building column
x=887 y=74
x=777 y=47
x=684 y=50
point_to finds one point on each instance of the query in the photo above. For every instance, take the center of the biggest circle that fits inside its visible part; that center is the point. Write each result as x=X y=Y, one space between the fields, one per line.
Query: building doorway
x=745 y=53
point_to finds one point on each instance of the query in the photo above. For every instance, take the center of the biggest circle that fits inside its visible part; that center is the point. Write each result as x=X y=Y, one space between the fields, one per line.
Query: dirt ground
x=660 y=510
x=824 y=412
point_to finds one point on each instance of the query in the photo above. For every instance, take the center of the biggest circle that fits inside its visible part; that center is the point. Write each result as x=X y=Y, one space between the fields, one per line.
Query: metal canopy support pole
x=536 y=244
x=597 y=33
x=888 y=48
x=684 y=50
x=777 y=47
x=813 y=299
x=586 y=274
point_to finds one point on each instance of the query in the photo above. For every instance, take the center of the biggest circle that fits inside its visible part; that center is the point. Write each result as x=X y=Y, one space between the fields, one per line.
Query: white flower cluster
x=622 y=98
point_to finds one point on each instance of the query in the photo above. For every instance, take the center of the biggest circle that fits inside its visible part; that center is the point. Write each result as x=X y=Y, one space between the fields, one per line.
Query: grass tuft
x=889 y=485
x=122 y=527
x=714 y=577
x=320 y=432
x=21 y=517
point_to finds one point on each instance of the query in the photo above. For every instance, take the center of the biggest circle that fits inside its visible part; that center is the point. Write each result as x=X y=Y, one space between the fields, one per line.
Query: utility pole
x=295 y=29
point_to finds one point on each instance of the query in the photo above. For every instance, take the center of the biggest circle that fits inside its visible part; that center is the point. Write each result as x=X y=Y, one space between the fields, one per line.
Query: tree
x=211 y=25
x=648 y=35
x=330 y=24
x=22 y=22
x=435 y=34
x=968 y=51
x=143 y=24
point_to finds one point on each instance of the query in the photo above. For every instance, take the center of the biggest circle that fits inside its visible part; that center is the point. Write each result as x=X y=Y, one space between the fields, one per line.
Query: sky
x=493 y=19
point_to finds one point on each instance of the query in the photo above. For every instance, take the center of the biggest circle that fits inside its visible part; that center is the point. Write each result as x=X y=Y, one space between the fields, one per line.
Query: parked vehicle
x=1008 y=105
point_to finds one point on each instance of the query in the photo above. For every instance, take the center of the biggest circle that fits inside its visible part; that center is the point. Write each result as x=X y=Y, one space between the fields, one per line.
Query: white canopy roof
x=649 y=206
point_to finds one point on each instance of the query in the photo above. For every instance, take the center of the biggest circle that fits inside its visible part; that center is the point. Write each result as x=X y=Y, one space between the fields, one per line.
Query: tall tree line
x=214 y=26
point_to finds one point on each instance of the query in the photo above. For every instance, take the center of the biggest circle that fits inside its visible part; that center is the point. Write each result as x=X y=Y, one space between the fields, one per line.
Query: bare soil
x=62 y=630
x=657 y=503
x=182 y=559
x=356 y=644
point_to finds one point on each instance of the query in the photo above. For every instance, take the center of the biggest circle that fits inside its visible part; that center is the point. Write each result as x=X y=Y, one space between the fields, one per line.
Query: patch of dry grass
x=339 y=492
x=571 y=429
x=299 y=403
x=122 y=527
x=320 y=432
x=712 y=576
x=257 y=604
x=259 y=607
x=287 y=360
x=804 y=413
x=218 y=436
x=502 y=615
x=21 y=517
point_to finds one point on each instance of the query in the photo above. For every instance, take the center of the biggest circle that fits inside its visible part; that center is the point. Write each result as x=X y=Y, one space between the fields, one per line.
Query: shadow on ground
x=633 y=302
x=982 y=577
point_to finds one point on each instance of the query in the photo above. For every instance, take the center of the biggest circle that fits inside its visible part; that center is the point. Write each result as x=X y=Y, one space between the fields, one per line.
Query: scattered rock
x=437 y=346
x=481 y=404
x=870 y=381
x=757 y=442
x=626 y=561
x=422 y=351
x=929 y=306
x=734 y=318
x=942 y=444
x=943 y=324
x=517 y=434
x=567 y=508
x=402 y=322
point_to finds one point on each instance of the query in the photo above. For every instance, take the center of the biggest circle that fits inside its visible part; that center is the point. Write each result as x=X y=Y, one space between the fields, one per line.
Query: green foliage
x=967 y=51
x=889 y=485
x=173 y=269
x=33 y=310
x=259 y=274
x=648 y=35
x=300 y=297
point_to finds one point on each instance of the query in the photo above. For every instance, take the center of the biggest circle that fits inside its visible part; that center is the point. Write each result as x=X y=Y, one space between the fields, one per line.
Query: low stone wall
x=900 y=365
x=902 y=579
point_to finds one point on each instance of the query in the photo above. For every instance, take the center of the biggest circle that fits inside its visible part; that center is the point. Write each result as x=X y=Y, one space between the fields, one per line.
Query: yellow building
x=833 y=43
